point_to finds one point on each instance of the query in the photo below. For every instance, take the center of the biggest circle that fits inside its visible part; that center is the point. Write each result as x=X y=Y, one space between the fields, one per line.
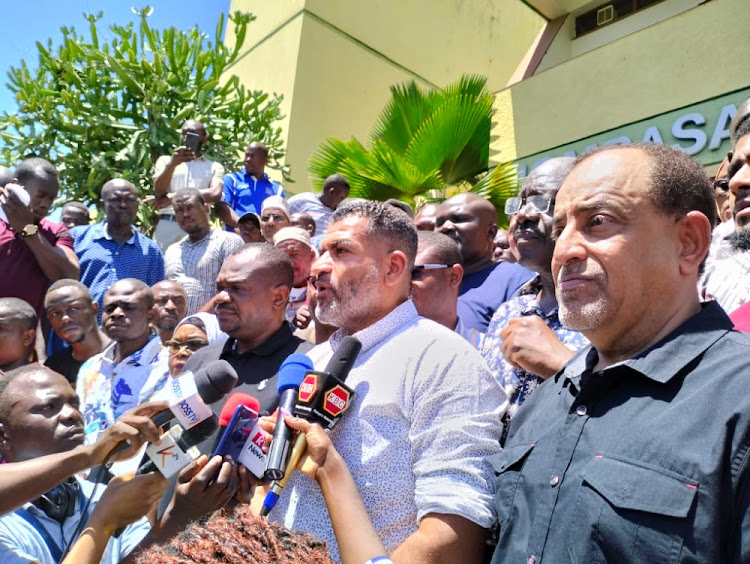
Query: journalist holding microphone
x=44 y=509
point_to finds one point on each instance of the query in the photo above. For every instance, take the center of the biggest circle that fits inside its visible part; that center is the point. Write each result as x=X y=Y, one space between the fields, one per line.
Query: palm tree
x=425 y=146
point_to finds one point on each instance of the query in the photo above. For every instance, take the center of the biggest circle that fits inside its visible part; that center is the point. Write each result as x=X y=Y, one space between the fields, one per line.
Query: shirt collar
x=267 y=348
x=668 y=357
x=142 y=357
x=263 y=177
x=381 y=329
x=101 y=233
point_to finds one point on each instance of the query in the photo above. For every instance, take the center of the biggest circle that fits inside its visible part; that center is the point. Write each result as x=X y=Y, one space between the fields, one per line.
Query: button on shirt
x=198 y=173
x=245 y=193
x=195 y=265
x=519 y=383
x=427 y=411
x=21 y=543
x=310 y=203
x=650 y=456
x=107 y=390
x=104 y=261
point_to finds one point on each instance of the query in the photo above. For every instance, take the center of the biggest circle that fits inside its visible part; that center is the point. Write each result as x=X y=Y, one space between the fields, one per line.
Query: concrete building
x=567 y=74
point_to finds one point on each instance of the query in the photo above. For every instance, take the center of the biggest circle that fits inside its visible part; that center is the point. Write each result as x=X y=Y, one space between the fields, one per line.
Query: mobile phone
x=193 y=141
x=238 y=431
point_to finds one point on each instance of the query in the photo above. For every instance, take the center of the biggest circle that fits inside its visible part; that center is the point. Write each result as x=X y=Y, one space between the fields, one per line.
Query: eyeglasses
x=418 y=271
x=274 y=216
x=540 y=202
x=722 y=184
x=175 y=346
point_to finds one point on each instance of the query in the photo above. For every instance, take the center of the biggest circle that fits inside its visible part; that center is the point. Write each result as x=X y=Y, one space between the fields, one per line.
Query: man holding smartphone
x=187 y=167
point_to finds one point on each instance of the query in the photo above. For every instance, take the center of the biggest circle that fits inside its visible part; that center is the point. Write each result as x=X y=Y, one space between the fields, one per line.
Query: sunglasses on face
x=539 y=202
x=418 y=271
x=192 y=345
x=722 y=184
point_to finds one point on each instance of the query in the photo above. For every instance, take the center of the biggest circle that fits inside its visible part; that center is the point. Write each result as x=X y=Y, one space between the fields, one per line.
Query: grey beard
x=740 y=241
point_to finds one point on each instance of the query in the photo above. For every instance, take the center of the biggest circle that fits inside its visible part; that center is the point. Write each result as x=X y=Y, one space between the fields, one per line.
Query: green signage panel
x=700 y=130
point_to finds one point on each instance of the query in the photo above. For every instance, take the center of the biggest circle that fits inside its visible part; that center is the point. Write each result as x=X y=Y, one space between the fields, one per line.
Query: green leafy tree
x=425 y=146
x=102 y=109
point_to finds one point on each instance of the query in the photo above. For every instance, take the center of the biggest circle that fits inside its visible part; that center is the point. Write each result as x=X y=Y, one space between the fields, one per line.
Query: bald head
x=471 y=221
x=550 y=175
x=425 y=217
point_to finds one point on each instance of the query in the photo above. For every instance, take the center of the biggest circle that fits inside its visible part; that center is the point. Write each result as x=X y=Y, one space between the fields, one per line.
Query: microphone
x=174 y=451
x=334 y=398
x=227 y=412
x=190 y=395
x=291 y=374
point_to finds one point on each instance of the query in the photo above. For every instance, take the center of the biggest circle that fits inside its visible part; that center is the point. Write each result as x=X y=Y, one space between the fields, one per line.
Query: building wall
x=334 y=60
x=684 y=60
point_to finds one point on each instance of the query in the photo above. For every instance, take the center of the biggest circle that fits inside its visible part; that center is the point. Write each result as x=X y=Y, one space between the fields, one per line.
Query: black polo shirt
x=645 y=461
x=258 y=368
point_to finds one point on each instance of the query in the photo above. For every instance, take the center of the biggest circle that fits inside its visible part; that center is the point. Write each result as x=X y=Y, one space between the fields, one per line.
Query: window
x=608 y=13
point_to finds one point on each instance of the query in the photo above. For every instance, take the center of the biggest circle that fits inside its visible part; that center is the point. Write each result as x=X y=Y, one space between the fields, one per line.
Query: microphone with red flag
x=322 y=398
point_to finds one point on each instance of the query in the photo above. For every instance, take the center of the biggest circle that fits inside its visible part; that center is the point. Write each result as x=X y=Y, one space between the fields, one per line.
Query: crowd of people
x=568 y=389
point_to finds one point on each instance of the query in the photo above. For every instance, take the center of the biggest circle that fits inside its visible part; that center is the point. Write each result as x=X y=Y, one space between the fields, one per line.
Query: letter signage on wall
x=700 y=130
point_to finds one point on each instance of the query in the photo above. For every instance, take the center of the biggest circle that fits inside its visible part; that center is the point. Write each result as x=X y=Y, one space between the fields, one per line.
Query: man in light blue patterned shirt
x=132 y=368
x=426 y=416
x=525 y=342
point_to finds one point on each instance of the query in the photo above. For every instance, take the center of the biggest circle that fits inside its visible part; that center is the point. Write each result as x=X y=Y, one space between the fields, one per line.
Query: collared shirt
x=727 y=279
x=108 y=389
x=257 y=369
x=518 y=383
x=426 y=414
x=22 y=277
x=310 y=203
x=245 y=193
x=104 y=261
x=198 y=173
x=195 y=265
x=643 y=461
x=482 y=292
x=21 y=543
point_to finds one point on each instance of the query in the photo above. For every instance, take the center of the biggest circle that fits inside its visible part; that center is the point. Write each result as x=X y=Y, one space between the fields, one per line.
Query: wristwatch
x=29 y=230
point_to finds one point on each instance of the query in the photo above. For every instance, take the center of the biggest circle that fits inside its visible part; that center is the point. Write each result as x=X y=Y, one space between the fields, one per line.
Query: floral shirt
x=517 y=383
x=107 y=389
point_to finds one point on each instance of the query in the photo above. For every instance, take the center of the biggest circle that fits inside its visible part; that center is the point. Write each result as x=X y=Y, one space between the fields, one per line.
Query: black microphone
x=212 y=383
x=291 y=374
x=337 y=370
x=185 y=440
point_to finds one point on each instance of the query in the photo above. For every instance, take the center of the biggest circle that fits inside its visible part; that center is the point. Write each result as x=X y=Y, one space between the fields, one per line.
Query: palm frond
x=497 y=186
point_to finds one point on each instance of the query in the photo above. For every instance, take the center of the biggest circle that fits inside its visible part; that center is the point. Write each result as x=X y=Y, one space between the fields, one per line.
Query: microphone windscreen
x=343 y=358
x=233 y=401
x=293 y=371
x=215 y=380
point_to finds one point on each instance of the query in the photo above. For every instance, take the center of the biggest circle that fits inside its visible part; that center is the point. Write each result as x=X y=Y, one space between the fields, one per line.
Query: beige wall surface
x=691 y=57
x=334 y=60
